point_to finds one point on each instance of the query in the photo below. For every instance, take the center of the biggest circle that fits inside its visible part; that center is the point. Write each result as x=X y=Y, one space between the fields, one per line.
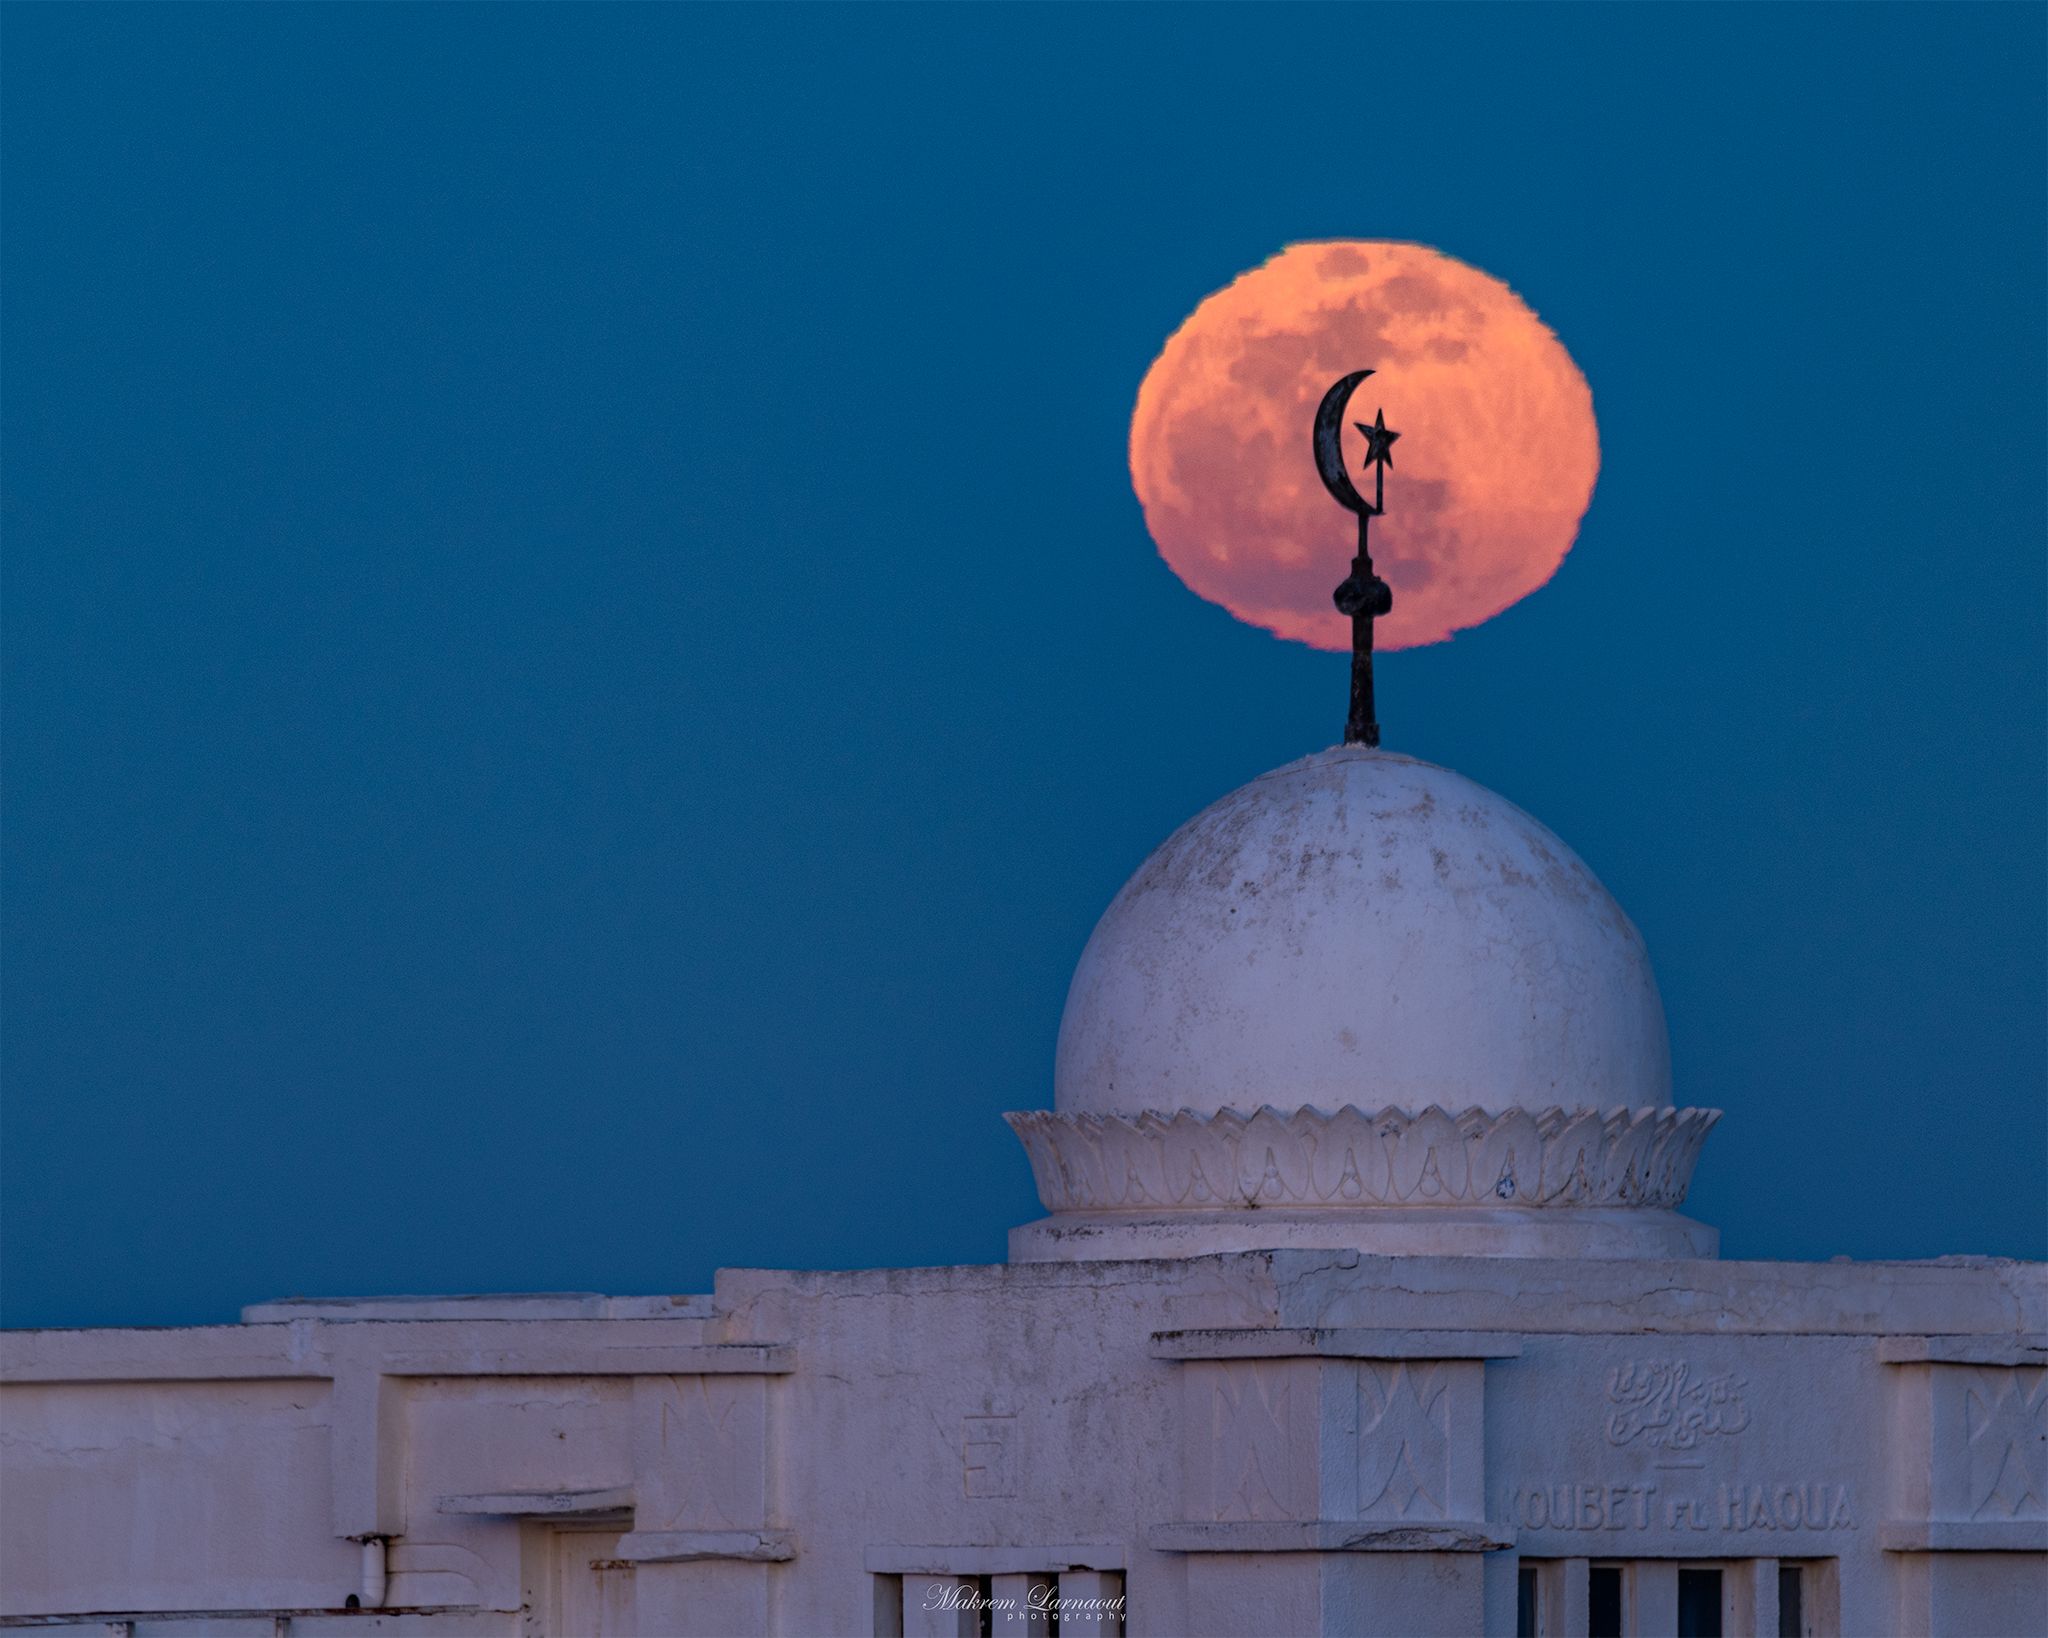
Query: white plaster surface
x=1590 y=1233
x=1276 y=1442
x=1362 y=928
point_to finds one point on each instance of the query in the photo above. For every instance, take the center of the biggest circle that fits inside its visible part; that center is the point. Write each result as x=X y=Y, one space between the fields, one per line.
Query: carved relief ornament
x=1352 y=1158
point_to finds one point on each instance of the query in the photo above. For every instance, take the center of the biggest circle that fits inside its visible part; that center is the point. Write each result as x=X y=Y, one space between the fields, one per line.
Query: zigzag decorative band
x=1191 y=1162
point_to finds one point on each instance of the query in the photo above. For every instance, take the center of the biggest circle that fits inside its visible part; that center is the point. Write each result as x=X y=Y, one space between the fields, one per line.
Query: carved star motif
x=2008 y=1429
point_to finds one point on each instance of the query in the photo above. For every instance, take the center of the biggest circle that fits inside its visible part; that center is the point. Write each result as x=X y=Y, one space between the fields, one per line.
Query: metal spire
x=1363 y=596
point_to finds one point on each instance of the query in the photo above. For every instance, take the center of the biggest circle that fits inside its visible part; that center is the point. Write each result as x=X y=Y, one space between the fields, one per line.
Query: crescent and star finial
x=1363 y=596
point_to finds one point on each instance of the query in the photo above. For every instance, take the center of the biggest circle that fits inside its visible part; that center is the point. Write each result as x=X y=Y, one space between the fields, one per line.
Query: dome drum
x=1553 y=1159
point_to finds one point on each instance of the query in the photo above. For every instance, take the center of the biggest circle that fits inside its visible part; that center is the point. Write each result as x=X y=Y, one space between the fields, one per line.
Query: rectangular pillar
x=1749 y=1599
x=1576 y=1600
x=1502 y=1575
x=1652 y=1594
x=1091 y=1604
x=1404 y=1595
x=1231 y=1595
x=1023 y=1608
x=699 y=1600
x=940 y=1606
x=1333 y=1481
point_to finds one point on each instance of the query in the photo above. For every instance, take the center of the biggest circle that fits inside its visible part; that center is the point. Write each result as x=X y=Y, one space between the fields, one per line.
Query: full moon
x=1493 y=472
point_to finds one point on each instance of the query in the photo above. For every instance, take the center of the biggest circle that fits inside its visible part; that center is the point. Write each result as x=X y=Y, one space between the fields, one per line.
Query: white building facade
x=1364 y=1304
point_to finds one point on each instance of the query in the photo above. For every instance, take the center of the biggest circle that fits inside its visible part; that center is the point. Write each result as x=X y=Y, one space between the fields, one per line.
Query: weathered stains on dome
x=1360 y=926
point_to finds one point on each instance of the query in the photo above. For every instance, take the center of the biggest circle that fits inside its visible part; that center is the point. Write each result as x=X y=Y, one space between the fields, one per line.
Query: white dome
x=1362 y=928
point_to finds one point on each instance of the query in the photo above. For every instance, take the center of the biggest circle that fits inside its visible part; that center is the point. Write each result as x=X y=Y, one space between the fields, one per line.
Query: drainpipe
x=373 y=1572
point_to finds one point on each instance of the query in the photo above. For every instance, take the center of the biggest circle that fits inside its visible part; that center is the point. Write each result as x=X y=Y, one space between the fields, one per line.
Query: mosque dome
x=1363 y=1004
x=1361 y=928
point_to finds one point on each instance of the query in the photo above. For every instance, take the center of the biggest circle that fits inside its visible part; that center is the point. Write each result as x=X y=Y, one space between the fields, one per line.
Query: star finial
x=1379 y=442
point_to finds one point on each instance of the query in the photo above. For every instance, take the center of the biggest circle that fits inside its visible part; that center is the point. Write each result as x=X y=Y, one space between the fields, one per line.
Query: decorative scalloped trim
x=1191 y=1162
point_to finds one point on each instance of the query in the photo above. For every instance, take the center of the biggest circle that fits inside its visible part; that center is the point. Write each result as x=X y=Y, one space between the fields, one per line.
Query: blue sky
x=580 y=658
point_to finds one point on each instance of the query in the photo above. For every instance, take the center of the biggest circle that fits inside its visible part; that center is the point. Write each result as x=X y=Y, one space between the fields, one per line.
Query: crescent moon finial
x=1329 y=443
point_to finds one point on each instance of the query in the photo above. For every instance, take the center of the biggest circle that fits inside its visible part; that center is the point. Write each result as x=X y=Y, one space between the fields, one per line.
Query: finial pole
x=1363 y=596
x=1362 y=727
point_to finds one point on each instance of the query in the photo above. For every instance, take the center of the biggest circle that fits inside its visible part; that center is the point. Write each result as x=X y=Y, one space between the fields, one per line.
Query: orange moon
x=1494 y=469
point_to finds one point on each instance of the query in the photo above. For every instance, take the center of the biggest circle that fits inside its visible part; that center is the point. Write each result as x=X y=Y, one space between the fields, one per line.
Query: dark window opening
x=1699 y=1604
x=1525 y=1602
x=1603 y=1601
x=1791 y=1602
